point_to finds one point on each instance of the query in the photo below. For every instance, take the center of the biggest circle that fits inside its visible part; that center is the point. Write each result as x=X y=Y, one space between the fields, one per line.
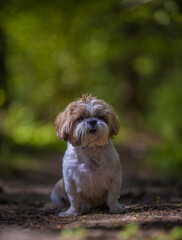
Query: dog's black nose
x=92 y=122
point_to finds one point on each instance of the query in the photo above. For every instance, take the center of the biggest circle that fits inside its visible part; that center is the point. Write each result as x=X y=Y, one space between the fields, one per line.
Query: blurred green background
x=128 y=53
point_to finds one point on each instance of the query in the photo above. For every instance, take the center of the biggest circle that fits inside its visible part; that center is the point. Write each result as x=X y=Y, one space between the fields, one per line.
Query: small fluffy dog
x=91 y=165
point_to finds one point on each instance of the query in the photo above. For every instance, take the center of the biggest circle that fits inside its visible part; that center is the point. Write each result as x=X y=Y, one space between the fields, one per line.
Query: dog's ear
x=62 y=129
x=115 y=124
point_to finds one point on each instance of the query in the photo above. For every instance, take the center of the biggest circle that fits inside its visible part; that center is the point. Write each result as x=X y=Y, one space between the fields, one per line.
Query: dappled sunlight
x=127 y=53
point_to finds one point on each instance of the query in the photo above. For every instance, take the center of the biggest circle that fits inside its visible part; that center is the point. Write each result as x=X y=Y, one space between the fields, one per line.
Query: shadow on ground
x=154 y=209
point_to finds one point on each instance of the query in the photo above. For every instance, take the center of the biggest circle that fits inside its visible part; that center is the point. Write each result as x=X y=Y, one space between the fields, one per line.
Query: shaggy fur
x=91 y=165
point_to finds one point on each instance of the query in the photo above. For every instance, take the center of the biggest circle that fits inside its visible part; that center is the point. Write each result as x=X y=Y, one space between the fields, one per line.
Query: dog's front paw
x=69 y=213
x=117 y=208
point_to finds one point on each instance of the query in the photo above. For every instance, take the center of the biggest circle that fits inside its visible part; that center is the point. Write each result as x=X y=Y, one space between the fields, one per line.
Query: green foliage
x=167 y=159
x=126 y=52
x=73 y=233
x=12 y=162
x=166 y=111
x=174 y=234
x=129 y=231
x=166 y=117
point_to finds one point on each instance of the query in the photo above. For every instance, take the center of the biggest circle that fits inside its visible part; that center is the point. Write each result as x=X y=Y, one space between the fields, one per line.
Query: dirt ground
x=154 y=208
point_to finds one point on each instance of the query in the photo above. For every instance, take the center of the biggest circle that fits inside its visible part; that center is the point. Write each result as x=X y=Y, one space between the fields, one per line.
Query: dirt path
x=154 y=210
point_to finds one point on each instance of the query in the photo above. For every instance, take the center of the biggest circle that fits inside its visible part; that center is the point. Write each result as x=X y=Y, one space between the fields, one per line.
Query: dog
x=91 y=164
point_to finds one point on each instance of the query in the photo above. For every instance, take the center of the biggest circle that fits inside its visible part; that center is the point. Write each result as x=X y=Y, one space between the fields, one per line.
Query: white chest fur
x=91 y=169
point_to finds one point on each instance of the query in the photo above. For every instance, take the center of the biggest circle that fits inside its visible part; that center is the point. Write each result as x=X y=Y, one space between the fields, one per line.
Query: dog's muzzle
x=92 y=123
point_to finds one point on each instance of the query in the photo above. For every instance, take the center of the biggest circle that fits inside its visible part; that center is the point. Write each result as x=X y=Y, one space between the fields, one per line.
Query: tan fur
x=91 y=165
x=67 y=120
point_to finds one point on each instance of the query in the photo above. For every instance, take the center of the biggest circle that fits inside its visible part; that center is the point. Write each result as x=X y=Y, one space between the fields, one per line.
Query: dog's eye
x=80 y=118
x=103 y=119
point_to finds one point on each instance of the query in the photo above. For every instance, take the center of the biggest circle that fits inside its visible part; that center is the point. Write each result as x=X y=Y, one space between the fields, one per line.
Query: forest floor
x=154 y=208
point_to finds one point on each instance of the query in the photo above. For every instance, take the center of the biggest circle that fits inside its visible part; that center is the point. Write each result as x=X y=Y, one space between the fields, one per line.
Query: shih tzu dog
x=91 y=165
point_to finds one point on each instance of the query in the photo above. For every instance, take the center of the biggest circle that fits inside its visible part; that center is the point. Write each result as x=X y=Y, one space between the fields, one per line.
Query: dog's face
x=87 y=122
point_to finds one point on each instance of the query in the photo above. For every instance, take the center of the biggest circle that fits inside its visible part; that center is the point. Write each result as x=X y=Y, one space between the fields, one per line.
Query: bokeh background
x=128 y=53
